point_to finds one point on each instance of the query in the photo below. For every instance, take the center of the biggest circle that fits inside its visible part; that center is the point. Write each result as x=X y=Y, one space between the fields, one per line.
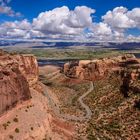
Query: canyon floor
x=113 y=116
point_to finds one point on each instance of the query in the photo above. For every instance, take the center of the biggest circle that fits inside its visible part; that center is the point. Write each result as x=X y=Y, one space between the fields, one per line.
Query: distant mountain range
x=63 y=45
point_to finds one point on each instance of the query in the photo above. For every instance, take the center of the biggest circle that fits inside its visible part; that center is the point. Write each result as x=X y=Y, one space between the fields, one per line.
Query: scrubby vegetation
x=67 y=93
x=15 y=119
x=114 y=103
x=11 y=137
x=114 y=116
x=17 y=130
x=70 y=53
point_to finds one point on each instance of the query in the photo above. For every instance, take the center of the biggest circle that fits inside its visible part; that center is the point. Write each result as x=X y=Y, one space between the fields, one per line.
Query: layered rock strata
x=17 y=73
x=97 y=68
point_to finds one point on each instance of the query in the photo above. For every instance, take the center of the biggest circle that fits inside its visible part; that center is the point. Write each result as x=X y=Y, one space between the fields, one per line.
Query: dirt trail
x=57 y=111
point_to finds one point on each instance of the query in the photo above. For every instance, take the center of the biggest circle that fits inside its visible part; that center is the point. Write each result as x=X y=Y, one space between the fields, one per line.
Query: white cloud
x=121 y=18
x=65 y=24
x=15 y=29
x=134 y=15
x=132 y=38
x=16 y=33
x=24 y=25
x=101 y=29
x=4 y=9
x=63 y=21
x=19 y=29
x=80 y=17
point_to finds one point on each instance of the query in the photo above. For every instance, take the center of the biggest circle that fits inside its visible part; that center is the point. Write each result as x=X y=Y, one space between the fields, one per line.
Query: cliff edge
x=97 y=68
x=17 y=74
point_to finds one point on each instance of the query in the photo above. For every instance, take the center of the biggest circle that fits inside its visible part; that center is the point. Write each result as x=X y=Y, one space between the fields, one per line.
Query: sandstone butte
x=17 y=73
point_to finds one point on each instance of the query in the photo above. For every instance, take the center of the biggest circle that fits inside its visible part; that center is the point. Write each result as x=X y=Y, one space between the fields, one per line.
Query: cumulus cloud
x=78 y=24
x=19 y=29
x=121 y=18
x=63 y=21
x=15 y=29
x=4 y=9
x=134 y=15
x=132 y=38
x=101 y=29
x=24 y=25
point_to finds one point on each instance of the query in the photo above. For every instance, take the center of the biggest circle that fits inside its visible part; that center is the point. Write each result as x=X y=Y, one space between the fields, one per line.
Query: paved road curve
x=56 y=108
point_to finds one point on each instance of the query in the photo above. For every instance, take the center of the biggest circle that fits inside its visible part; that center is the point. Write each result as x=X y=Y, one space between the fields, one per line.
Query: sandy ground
x=33 y=121
x=44 y=70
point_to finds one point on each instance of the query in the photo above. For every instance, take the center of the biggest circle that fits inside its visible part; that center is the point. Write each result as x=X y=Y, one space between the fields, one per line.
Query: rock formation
x=96 y=69
x=17 y=72
x=28 y=66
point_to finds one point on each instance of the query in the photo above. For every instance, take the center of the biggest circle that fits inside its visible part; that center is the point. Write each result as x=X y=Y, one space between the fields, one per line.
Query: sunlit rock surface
x=17 y=72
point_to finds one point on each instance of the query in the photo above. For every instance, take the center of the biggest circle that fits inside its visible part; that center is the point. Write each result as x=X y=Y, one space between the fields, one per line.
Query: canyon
x=24 y=110
x=50 y=102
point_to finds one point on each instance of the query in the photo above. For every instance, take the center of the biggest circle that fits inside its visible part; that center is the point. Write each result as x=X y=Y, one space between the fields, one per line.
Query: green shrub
x=17 y=130
x=11 y=137
x=15 y=119
x=32 y=128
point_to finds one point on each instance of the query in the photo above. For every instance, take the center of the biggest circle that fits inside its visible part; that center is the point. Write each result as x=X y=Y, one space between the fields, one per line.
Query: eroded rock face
x=17 y=72
x=29 y=67
x=96 y=69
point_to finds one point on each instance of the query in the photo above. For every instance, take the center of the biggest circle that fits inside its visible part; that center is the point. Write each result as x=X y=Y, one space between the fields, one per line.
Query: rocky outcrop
x=98 y=68
x=28 y=66
x=17 y=72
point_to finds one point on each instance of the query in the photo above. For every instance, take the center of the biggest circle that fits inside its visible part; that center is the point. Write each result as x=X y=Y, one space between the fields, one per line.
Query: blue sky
x=123 y=21
x=31 y=8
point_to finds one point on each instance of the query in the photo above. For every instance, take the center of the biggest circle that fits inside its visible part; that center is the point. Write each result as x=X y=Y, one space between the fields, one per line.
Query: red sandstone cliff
x=96 y=69
x=28 y=66
x=17 y=72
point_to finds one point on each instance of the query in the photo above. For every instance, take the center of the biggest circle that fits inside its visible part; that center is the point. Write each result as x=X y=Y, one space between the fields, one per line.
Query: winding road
x=57 y=111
